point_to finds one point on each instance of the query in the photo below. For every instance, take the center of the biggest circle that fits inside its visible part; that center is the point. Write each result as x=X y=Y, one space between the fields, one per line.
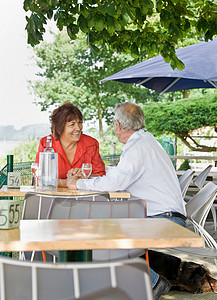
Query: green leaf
x=60 y=24
x=94 y=49
x=148 y=3
x=202 y=24
x=111 y=8
x=131 y=12
x=108 y=7
x=99 y=23
x=175 y=30
x=125 y=16
x=154 y=47
x=136 y=3
x=187 y=25
x=180 y=65
x=117 y=25
x=90 y=21
x=144 y=9
x=72 y=30
x=134 y=50
x=26 y=5
x=84 y=11
x=50 y=14
x=110 y=25
x=82 y=23
x=167 y=59
x=159 y=6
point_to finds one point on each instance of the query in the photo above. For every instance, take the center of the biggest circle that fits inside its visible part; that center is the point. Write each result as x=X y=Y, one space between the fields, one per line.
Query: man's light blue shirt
x=146 y=172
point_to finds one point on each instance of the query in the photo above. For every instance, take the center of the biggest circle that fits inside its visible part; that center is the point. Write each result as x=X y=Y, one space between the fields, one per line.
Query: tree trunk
x=185 y=94
x=101 y=141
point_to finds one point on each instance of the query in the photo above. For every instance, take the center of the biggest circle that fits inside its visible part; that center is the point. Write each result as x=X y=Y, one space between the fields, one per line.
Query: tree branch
x=196 y=146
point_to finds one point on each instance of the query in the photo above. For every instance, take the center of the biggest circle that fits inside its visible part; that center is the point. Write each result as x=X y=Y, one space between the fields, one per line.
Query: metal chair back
x=185 y=181
x=72 y=209
x=38 y=281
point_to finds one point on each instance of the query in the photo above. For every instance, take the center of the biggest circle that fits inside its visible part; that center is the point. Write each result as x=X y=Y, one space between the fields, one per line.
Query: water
x=48 y=163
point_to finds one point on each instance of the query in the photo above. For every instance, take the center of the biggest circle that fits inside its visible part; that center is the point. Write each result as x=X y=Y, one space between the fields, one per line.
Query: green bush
x=185 y=165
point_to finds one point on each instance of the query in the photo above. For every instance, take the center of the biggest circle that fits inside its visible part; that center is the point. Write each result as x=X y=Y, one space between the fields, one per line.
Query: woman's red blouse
x=87 y=152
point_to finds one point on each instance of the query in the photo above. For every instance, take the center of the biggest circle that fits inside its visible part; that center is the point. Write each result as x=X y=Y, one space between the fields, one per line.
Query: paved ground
x=207 y=262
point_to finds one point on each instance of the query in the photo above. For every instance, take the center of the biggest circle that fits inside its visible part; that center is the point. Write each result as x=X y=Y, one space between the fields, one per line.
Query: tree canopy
x=68 y=71
x=141 y=27
x=182 y=117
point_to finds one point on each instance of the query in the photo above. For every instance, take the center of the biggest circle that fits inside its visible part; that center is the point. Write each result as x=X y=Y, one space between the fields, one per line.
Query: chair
x=185 y=181
x=199 y=182
x=197 y=209
x=72 y=209
x=38 y=281
x=199 y=205
x=106 y=294
x=36 y=206
x=200 y=179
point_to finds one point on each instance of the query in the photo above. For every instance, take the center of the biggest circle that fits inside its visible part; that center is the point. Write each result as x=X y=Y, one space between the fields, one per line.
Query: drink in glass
x=86 y=170
x=34 y=170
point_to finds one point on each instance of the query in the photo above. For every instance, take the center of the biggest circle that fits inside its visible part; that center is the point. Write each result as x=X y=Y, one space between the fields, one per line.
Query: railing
x=111 y=160
x=194 y=158
x=24 y=168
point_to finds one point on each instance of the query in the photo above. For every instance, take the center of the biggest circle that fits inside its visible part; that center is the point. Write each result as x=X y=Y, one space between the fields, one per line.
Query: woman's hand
x=75 y=171
x=62 y=183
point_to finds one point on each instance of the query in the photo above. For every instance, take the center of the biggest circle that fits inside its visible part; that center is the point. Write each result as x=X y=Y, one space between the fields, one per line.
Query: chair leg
x=213 y=210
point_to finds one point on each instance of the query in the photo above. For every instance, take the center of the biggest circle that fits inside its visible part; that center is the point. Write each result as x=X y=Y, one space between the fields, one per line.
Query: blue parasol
x=200 y=70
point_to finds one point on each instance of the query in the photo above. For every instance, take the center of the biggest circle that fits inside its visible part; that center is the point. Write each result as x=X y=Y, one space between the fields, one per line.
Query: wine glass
x=86 y=169
x=35 y=169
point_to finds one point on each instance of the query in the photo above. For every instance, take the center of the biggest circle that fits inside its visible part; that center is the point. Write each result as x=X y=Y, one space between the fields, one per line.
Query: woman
x=73 y=147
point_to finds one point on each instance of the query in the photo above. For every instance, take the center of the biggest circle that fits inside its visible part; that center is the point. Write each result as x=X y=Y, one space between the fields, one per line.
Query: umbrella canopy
x=200 y=70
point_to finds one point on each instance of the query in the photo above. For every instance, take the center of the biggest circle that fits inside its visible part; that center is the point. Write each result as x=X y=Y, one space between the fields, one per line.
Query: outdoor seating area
x=108 y=150
x=50 y=207
x=43 y=257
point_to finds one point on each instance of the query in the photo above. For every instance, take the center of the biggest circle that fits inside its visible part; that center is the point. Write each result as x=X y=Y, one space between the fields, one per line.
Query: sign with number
x=9 y=214
x=13 y=179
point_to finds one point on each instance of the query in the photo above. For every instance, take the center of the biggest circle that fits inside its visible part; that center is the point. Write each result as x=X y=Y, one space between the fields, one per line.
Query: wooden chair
x=23 y=280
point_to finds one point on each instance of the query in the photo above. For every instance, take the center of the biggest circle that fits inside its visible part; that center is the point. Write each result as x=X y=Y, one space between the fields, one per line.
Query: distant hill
x=9 y=133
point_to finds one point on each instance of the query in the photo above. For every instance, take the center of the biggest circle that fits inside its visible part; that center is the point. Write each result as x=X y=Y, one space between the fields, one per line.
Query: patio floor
x=206 y=262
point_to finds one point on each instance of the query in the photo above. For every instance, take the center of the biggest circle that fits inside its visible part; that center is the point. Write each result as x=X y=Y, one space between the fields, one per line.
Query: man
x=144 y=170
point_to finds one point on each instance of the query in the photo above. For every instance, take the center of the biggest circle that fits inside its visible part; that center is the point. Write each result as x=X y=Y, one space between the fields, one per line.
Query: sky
x=16 y=68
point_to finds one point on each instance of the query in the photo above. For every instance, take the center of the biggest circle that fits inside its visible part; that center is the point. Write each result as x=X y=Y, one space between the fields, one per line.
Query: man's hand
x=71 y=182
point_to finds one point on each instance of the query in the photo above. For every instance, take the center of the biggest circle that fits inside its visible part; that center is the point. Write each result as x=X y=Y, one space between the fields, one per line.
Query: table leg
x=76 y=255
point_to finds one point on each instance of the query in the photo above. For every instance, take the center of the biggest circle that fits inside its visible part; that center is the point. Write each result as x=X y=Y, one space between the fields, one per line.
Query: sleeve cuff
x=80 y=184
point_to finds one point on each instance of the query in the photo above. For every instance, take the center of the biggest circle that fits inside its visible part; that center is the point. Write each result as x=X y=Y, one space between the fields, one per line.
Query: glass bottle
x=49 y=166
x=49 y=145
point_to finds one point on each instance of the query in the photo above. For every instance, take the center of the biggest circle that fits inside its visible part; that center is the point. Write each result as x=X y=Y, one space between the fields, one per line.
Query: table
x=12 y=192
x=89 y=234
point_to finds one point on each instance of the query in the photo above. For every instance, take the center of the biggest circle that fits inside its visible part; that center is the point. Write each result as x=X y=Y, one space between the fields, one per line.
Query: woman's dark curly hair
x=64 y=113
